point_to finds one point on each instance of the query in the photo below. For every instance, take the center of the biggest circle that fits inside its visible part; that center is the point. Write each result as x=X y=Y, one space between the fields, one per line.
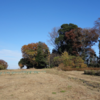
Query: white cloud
x=11 y=57
x=5 y=52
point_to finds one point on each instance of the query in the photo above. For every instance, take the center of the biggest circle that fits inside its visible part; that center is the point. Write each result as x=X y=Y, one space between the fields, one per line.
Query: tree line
x=75 y=40
x=69 y=39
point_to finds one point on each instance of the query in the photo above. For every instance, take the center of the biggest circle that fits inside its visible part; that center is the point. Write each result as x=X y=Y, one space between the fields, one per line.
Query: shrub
x=97 y=65
x=54 y=62
x=79 y=62
x=83 y=65
x=3 y=65
x=67 y=60
x=73 y=61
x=61 y=66
x=92 y=72
x=94 y=65
x=70 y=61
x=57 y=60
x=51 y=66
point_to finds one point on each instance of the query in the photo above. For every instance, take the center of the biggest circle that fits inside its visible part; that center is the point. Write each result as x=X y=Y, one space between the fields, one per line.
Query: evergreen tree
x=40 y=58
x=60 y=41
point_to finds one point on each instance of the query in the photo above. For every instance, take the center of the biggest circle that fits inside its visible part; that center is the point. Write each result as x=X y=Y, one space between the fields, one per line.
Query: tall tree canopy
x=79 y=42
x=30 y=53
x=76 y=41
x=42 y=56
x=60 y=40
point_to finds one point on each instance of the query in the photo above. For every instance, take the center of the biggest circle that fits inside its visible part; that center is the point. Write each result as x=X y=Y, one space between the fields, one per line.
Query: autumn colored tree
x=80 y=41
x=90 y=37
x=74 y=40
x=3 y=64
x=30 y=52
x=60 y=40
x=73 y=45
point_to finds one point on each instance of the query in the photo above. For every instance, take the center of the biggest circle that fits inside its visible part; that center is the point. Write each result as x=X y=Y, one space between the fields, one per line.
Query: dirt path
x=52 y=85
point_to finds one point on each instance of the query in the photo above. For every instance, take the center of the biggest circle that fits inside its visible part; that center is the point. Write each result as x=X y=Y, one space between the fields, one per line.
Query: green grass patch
x=69 y=86
x=11 y=94
x=63 y=91
x=53 y=92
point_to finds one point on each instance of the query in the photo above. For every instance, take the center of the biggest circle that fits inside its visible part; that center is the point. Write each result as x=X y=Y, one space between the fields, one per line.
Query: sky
x=29 y=21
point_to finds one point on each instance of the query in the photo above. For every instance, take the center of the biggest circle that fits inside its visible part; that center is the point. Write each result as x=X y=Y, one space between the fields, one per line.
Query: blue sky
x=29 y=21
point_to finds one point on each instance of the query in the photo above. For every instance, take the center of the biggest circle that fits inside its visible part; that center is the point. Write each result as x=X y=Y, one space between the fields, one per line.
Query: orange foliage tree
x=3 y=65
x=30 y=52
x=81 y=40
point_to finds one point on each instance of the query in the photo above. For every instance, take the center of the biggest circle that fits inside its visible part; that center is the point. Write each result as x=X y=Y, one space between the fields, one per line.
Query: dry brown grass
x=53 y=85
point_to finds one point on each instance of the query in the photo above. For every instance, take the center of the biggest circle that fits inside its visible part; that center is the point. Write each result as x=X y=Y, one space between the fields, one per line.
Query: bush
x=97 y=65
x=70 y=61
x=3 y=65
x=65 y=59
x=51 y=66
x=53 y=59
x=92 y=72
x=57 y=60
x=94 y=65
x=73 y=61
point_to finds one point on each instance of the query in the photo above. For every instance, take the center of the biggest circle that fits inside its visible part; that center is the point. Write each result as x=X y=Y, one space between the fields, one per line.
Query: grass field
x=48 y=84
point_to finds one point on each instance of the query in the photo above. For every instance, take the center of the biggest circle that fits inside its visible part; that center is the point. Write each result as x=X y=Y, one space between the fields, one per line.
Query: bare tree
x=97 y=29
x=53 y=35
x=97 y=26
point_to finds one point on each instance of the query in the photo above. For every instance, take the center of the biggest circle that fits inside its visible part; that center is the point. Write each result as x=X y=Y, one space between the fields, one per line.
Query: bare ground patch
x=52 y=85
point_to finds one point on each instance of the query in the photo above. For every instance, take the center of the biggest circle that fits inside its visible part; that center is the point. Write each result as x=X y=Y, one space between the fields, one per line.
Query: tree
x=80 y=41
x=97 y=29
x=30 y=52
x=97 y=26
x=76 y=41
x=41 y=57
x=3 y=64
x=60 y=40
x=73 y=45
x=25 y=62
x=53 y=35
x=89 y=38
